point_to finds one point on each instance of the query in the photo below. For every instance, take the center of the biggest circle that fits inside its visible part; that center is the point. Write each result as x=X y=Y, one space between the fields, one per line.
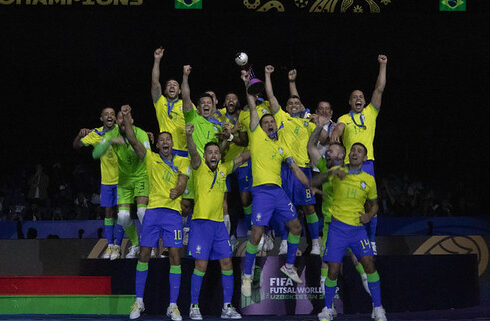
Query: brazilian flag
x=188 y=4
x=452 y=5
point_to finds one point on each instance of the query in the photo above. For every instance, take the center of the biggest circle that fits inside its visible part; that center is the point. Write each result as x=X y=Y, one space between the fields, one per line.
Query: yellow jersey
x=360 y=128
x=350 y=195
x=109 y=171
x=163 y=176
x=209 y=191
x=295 y=135
x=267 y=155
x=171 y=119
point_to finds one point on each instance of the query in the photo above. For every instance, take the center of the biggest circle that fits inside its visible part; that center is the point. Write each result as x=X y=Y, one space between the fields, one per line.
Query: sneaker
x=315 y=249
x=291 y=273
x=326 y=314
x=136 y=310
x=116 y=252
x=260 y=247
x=195 y=313
x=373 y=246
x=269 y=242
x=133 y=253
x=229 y=312
x=108 y=252
x=283 y=249
x=173 y=312
x=365 y=283
x=246 y=286
x=379 y=314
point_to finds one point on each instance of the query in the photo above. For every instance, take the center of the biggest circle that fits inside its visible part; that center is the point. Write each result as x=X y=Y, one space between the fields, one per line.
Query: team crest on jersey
x=307 y=123
x=363 y=185
x=258 y=217
x=198 y=249
x=281 y=151
x=264 y=111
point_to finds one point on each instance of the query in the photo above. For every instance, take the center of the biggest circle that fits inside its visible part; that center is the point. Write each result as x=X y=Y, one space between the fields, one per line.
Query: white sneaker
x=116 y=252
x=136 y=309
x=291 y=273
x=246 y=285
x=315 y=248
x=283 y=249
x=133 y=253
x=195 y=313
x=269 y=242
x=173 y=312
x=365 y=283
x=379 y=314
x=108 y=252
x=326 y=314
x=229 y=312
x=260 y=246
x=373 y=246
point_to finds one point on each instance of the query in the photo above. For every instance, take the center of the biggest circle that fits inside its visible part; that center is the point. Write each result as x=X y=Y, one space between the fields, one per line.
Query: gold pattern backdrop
x=318 y=6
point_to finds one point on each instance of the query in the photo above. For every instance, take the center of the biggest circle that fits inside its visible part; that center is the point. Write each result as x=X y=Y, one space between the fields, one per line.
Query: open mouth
x=358 y=104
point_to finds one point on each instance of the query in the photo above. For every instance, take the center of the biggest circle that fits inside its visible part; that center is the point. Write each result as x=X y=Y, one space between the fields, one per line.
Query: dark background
x=61 y=65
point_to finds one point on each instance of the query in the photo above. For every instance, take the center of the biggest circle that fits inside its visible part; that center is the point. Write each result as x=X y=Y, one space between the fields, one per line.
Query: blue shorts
x=368 y=167
x=245 y=178
x=108 y=195
x=342 y=236
x=300 y=194
x=268 y=200
x=209 y=240
x=162 y=223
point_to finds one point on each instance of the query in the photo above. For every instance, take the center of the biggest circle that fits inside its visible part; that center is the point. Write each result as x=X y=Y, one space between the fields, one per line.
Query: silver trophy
x=255 y=86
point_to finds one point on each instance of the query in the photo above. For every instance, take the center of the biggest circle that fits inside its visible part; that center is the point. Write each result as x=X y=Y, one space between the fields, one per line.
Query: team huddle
x=280 y=159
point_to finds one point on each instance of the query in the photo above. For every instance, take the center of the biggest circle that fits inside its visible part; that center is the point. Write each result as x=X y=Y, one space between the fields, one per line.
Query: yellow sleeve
x=91 y=139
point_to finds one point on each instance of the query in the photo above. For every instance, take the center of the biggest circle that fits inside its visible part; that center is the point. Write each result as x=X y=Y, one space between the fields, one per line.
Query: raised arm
x=254 y=116
x=380 y=82
x=180 y=187
x=77 y=142
x=338 y=131
x=138 y=147
x=186 y=90
x=156 y=87
x=298 y=172
x=315 y=155
x=191 y=147
x=242 y=158
x=293 y=91
x=268 y=89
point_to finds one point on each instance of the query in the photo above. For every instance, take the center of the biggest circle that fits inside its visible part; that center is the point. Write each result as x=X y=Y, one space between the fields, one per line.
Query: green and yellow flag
x=188 y=4
x=452 y=5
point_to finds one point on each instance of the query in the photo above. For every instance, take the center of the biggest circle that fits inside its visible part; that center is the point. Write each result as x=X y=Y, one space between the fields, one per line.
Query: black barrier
x=408 y=283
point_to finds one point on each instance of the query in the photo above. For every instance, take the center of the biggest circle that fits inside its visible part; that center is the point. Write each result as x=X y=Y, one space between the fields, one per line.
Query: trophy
x=256 y=86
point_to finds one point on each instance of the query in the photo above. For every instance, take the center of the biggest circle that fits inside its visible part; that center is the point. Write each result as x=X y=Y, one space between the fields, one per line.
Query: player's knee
x=201 y=265
x=333 y=271
x=257 y=232
x=226 y=264
x=295 y=227
x=109 y=212
x=174 y=256
x=145 y=253
x=368 y=264
x=124 y=218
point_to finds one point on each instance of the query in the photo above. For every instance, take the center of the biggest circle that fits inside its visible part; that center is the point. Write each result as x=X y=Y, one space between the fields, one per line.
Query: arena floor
x=480 y=313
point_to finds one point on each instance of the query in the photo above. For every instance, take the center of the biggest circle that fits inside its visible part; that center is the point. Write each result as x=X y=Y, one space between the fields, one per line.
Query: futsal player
x=359 y=125
x=168 y=175
x=353 y=189
x=209 y=239
x=109 y=178
x=133 y=177
x=268 y=197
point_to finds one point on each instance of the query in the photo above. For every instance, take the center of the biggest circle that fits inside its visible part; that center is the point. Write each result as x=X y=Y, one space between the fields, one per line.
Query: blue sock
x=141 y=275
x=118 y=234
x=174 y=280
x=109 y=230
x=196 y=282
x=313 y=225
x=374 y=288
x=330 y=288
x=250 y=254
x=293 y=242
x=372 y=228
x=227 y=282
